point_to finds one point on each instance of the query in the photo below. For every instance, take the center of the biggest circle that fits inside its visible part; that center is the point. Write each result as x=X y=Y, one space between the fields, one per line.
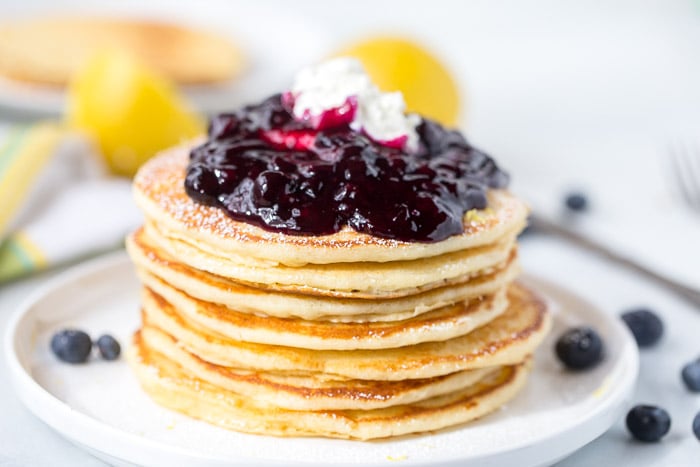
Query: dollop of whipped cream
x=339 y=91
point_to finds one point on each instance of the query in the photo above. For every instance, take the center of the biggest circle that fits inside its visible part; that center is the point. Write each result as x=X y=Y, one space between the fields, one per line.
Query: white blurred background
x=566 y=95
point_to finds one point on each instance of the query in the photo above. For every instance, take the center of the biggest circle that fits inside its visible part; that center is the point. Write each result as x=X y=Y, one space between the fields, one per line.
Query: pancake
x=159 y=192
x=503 y=341
x=172 y=386
x=313 y=391
x=216 y=289
x=51 y=50
x=344 y=335
x=433 y=326
x=365 y=279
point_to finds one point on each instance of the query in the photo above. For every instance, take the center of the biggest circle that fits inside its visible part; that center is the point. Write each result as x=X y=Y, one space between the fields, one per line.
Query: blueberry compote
x=262 y=166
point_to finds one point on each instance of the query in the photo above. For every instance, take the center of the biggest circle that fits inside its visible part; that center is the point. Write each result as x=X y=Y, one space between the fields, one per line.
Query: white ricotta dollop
x=333 y=83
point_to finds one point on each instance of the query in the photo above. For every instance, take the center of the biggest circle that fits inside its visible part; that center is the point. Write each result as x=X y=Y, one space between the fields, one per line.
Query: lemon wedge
x=398 y=64
x=130 y=111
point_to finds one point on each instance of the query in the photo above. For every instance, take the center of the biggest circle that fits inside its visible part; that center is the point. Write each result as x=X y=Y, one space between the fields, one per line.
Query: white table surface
x=565 y=94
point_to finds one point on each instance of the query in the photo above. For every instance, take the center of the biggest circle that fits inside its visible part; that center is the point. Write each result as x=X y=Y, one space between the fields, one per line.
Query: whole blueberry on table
x=645 y=325
x=696 y=426
x=648 y=423
x=576 y=201
x=71 y=345
x=691 y=375
x=109 y=347
x=580 y=348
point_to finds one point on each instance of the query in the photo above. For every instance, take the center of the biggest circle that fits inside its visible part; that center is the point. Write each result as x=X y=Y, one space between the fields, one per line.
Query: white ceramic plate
x=101 y=407
x=276 y=44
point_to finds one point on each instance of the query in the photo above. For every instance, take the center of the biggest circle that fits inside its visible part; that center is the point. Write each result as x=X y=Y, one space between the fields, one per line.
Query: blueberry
x=109 y=347
x=696 y=426
x=269 y=186
x=576 y=202
x=580 y=348
x=645 y=325
x=71 y=345
x=691 y=376
x=648 y=423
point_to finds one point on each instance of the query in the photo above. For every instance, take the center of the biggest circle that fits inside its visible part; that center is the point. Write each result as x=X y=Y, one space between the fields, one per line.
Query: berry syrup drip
x=263 y=167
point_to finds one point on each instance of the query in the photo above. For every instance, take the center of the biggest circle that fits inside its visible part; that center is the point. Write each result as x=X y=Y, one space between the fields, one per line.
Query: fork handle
x=539 y=223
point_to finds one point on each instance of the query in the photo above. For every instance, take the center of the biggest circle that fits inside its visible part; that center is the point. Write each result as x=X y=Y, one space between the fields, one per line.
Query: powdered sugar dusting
x=161 y=181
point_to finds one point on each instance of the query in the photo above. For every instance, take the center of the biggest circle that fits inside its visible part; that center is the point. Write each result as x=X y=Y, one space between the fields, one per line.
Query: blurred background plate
x=274 y=39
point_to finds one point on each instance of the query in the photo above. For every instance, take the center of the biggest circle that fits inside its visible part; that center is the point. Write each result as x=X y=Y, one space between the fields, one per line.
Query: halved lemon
x=129 y=110
x=399 y=64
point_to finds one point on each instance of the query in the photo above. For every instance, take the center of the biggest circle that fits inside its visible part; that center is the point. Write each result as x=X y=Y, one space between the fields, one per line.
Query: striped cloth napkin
x=56 y=202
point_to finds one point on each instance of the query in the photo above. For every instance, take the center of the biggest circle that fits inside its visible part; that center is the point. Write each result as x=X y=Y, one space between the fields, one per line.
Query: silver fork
x=542 y=224
x=685 y=178
x=685 y=173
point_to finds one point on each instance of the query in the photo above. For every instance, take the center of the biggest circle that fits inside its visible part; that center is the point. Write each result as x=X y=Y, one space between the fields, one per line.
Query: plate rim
x=86 y=431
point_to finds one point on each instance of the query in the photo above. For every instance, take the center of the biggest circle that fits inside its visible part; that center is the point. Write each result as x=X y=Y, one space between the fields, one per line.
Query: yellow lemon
x=397 y=64
x=130 y=111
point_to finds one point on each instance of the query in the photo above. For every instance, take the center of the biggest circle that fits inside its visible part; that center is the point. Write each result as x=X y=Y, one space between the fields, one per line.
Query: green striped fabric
x=19 y=256
x=24 y=154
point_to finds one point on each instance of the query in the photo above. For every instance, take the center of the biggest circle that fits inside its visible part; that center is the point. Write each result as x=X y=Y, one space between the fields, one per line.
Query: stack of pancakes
x=344 y=335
